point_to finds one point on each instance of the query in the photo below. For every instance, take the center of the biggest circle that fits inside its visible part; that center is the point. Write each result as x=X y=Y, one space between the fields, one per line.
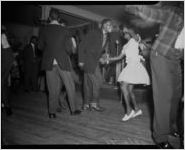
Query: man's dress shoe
x=86 y=107
x=27 y=91
x=52 y=115
x=59 y=109
x=176 y=134
x=164 y=145
x=76 y=112
x=97 y=108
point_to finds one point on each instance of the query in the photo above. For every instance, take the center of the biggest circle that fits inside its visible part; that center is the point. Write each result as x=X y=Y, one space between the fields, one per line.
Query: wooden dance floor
x=30 y=125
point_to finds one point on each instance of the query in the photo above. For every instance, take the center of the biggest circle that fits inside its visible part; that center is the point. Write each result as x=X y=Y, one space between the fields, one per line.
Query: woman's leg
x=125 y=92
x=132 y=96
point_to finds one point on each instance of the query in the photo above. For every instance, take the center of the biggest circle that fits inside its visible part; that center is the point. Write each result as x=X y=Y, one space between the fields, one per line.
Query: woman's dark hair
x=132 y=27
x=128 y=27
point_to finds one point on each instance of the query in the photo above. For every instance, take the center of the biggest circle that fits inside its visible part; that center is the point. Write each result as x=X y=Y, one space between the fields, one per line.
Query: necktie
x=33 y=46
x=104 y=39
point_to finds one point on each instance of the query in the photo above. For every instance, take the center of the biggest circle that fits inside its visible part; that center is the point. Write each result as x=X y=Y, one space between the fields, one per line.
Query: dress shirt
x=33 y=46
x=54 y=22
x=104 y=38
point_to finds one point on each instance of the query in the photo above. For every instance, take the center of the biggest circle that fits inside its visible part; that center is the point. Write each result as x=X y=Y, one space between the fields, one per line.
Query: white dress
x=134 y=72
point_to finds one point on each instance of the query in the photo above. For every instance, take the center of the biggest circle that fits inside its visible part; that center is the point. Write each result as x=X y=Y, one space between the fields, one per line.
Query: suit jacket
x=90 y=50
x=28 y=53
x=55 y=41
x=30 y=59
x=115 y=36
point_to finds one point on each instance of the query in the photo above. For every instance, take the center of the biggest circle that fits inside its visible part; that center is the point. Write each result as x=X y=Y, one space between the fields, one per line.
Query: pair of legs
x=5 y=89
x=31 y=76
x=129 y=97
x=55 y=78
x=5 y=95
x=167 y=92
x=92 y=85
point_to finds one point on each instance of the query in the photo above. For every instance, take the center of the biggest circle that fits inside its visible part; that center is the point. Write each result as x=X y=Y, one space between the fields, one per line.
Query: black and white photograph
x=92 y=74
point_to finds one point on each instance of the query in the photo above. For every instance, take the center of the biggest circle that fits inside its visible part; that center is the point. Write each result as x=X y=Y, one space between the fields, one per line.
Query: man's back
x=28 y=53
x=55 y=42
x=90 y=50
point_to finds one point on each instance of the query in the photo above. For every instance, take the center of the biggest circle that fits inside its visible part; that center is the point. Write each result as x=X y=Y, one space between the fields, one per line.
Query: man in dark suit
x=31 y=65
x=115 y=46
x=90 y=51
x=56 y=42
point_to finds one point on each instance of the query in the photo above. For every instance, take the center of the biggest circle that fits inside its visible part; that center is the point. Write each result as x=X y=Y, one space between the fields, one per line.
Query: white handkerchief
x=179 y=44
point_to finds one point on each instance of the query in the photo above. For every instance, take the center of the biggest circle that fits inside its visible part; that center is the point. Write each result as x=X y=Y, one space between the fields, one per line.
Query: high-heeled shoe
x=139 y=112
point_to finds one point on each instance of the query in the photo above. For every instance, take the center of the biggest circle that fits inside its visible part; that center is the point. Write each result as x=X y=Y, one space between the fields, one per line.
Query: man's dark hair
x=54 y=14
x=62 y=21
x=33 y=38
x=104 y=21
x=3 y=29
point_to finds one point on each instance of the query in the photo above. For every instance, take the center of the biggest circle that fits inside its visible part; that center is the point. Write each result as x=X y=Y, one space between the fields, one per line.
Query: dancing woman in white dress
x=133 y=73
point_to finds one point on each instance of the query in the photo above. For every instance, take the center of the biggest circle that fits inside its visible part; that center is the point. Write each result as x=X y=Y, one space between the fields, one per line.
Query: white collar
x=104 y=33
x=33 y=45
x=54 y=22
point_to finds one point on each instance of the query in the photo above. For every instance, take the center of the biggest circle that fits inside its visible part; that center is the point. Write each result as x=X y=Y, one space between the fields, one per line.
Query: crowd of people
x=57 y=46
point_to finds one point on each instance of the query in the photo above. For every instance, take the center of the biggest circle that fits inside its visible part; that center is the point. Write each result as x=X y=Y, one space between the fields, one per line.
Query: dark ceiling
x=109 y=11
x=25 y=14
x=72 y=19
x=30 y=14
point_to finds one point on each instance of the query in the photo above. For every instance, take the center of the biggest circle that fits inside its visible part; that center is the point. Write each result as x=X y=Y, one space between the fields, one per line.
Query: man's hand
x=81 y=65
x=15 y=63
x=142 y=46
x=104 y=59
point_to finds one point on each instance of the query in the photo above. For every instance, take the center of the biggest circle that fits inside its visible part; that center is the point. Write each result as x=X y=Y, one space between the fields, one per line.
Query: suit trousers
x=56 y=78
x=31 y=72
x=4 y=87
x=92 y=85
x=167 y=92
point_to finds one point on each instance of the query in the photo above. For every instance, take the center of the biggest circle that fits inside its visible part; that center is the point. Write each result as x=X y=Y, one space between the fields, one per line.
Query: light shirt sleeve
x=74 y=42
x=4 y=41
